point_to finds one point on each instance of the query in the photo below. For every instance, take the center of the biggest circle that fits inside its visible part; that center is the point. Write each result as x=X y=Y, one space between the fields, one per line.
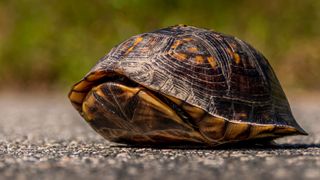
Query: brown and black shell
x=218 y=73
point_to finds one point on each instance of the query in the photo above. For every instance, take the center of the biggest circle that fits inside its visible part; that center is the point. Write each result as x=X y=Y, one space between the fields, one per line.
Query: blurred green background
x=52 y=44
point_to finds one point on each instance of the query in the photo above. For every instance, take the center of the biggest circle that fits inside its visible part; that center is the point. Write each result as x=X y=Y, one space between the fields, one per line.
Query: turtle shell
x=218 y=74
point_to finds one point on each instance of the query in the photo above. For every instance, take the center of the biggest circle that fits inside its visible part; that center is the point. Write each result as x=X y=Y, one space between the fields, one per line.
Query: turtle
x=184 y=86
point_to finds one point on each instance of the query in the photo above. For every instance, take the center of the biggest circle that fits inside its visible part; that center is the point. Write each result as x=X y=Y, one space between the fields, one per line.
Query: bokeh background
x=49 y=45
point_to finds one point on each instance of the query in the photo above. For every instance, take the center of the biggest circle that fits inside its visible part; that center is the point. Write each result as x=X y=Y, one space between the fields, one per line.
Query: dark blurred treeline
x=52 y=44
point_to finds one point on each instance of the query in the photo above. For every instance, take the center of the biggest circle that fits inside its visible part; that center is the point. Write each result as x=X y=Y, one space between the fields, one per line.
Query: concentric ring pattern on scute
x=218 y=73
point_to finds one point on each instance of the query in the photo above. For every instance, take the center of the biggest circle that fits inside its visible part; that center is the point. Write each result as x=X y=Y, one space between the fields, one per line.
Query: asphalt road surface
x=42 y=137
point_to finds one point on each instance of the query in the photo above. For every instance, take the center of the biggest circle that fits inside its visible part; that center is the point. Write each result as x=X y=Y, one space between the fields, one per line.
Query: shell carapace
x=184 y=85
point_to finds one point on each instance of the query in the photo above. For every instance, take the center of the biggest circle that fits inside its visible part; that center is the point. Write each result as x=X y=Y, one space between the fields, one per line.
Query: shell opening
x=80 y=90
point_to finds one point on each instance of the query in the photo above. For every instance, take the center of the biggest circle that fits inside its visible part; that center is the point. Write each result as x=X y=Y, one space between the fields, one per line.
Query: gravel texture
x=42 y=137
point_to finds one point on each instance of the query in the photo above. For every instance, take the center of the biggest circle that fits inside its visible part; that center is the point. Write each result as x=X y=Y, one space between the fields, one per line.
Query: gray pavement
x=42 y=137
